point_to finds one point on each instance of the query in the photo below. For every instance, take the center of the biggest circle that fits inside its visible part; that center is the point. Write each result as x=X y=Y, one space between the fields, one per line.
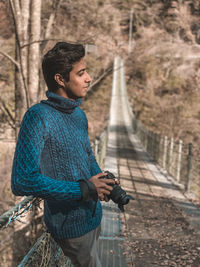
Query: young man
x=53 y=158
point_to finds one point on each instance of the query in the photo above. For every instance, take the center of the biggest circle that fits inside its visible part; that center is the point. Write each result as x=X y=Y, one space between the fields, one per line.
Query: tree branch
x=40 y=41
x=55 y=7
x=101 y=77
x=17 y=26
x=7 y=111
x=11 y=59
x=56 y=39
x=98 y=80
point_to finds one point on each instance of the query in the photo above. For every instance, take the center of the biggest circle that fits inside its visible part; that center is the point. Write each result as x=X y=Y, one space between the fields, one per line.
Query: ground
x=161 y=236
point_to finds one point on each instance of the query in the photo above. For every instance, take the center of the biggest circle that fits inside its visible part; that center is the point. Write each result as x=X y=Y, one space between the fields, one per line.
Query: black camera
x=118 y=195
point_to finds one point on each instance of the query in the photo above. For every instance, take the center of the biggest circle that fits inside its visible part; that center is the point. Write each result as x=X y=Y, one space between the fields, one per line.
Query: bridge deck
x=160 y=227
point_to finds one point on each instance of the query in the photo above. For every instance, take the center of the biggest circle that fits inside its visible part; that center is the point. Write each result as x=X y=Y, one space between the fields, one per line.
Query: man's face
x=79 y=81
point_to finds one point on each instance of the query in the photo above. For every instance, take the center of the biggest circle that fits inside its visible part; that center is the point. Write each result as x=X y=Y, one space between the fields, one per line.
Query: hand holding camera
x=103 y=186
x=118 y=195
x=108 y=188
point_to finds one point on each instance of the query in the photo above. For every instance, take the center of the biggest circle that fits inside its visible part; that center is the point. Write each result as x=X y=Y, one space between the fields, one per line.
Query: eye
x=81 y=73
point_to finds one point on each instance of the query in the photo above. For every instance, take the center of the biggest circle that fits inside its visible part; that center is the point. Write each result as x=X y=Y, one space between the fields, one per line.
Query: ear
x=59 y=79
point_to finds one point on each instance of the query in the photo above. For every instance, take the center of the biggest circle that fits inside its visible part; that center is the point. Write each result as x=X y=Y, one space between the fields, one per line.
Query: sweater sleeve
x=26 y=178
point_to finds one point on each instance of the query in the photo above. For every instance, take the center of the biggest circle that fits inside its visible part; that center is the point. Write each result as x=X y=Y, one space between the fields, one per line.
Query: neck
x=63 y=93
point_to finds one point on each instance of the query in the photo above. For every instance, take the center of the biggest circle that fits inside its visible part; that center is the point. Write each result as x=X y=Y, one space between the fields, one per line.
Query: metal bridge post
x=189 y=167
x=165 y=152
x=179 y=161
x=171 y=155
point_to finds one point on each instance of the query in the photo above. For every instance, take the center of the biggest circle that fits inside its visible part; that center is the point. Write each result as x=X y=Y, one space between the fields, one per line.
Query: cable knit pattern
x=52 y=153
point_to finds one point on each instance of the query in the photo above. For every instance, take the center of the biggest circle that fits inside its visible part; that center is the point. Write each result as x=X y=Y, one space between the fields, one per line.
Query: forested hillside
x=163 y=72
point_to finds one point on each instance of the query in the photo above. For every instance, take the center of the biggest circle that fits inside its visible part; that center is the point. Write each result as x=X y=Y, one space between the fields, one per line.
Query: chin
x=83 y=95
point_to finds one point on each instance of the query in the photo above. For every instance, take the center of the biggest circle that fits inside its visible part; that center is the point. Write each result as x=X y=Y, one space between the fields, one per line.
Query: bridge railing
x=45 y=253
x=99 y=147
x=181 y=161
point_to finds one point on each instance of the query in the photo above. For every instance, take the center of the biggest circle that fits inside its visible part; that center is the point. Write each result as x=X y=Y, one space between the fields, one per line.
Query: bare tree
x=21 y=11
x=28 y=46
x=34 y=50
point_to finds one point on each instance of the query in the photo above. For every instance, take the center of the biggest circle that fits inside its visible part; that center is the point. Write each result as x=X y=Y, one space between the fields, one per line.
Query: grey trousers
x=83 y=250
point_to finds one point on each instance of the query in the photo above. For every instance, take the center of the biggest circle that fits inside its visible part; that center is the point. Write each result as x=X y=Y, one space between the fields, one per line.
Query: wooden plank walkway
x=161 y=227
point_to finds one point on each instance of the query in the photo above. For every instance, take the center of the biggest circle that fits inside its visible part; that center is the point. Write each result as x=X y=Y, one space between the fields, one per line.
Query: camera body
x=118 y=195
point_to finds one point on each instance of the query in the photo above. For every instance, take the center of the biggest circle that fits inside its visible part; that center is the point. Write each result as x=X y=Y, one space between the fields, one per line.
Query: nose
x=88 y=78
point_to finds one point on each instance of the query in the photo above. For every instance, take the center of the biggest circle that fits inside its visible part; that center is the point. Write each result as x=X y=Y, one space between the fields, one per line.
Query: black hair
x=60 y=59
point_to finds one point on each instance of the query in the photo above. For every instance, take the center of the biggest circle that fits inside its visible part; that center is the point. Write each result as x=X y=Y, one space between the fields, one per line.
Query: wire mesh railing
x=99 y=147
x=45 y=253
x=181 y=161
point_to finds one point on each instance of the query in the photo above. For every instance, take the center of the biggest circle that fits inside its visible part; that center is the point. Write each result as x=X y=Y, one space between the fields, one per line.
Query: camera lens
x=118 y=195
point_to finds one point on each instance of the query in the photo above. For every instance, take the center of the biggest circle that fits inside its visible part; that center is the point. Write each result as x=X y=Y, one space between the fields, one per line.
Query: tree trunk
x=27 y=20
x=34 y=51
x=20 y=10
x=46 y=36
x=20 y=96
x=25 y=7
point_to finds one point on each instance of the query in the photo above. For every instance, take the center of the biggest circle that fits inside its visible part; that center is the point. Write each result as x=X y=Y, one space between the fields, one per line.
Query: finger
x=102 y=174
x=106 y=198
x=101 y=197
x=104 y=191
x=105 y=186
x=108 y=181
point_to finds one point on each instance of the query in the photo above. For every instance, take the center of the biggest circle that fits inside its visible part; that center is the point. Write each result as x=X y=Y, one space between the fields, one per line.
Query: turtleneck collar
x=61 y=103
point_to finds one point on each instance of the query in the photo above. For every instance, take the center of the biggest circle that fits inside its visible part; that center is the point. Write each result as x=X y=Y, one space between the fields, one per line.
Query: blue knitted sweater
x=52 y=153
